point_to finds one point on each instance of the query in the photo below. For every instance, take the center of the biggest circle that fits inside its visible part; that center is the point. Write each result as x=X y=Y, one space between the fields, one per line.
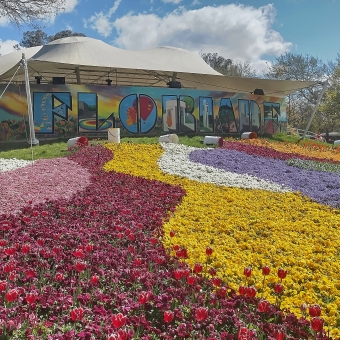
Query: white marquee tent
x=83 y=60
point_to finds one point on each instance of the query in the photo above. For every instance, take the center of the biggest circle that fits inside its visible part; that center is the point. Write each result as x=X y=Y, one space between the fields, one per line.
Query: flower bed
x=249 y=227
x=323 y=188
x=98 y=265
x=56 y=178
x=284 y=151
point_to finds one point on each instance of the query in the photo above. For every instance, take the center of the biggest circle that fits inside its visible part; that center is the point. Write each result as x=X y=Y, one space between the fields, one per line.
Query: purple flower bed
x=320 y=186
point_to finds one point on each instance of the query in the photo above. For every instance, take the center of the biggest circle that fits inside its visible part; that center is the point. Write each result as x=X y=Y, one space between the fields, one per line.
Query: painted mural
x=70 y=110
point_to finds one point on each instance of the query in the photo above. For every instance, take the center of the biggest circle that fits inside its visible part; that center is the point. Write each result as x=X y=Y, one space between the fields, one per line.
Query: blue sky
x=256 y=31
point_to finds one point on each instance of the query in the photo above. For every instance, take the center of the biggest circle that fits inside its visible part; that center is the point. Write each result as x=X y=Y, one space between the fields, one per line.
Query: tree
x=330 y=108
x=27 y=11
x=229 y=67
x=39 y=37
x=300 y=104
x=65 y=34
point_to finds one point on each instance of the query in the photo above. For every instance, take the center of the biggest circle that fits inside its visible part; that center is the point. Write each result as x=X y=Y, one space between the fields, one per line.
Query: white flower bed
x=12 y=164
x=175 y=161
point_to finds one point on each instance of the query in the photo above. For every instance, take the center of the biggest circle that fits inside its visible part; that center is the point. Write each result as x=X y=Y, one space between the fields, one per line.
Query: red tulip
x=153 y=240
x=314 y=311
x=265 y=270
x=89 y=247
x=79 y=253
x=244 y=334
x=10 y=251
x=35 y=213
x=44 y=213
x=191 y=279
x=168 y=316
x=212 y=271
x=247 y=271
x=138 y=261
x=131 y=237
x=208 y=251
x=186 y=272
x=77 y=314
x=242 y=290
x=179 y=253
x=316 y=324
x=176 y=247
x=281 y=273
x=201 y=314
x=94 y=279
x=80 y=266
x=120 y=335
x=160 y=260
x=184 y=253
x=25 y=249
x=251 y=292
x=278 y=288
x=31 y=297
x=178 y=273
x=40 y=241
x=144 y=297
x=3 y=286
x=9 y=267
x=59 y=277
x=118 y=320
x=30 y=274
x=11 y=295
x=217 y=281
x=172 y=233
x=3 y=243
x=279 y=335
x=263 y=306
x=198 y=268
x=222 y=292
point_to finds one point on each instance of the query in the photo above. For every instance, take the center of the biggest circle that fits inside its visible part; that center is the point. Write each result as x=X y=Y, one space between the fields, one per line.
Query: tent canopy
x=83 y=60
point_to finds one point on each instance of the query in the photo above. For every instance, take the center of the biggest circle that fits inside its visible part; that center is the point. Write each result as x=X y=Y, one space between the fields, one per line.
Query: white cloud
x=3 y=21
x=101 y=21
x=234 y=31
x=70 y=5
x=7 y=46
x=172 y=1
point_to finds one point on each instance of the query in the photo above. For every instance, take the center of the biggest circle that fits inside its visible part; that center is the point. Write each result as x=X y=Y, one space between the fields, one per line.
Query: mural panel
x=206 y=121
x=70 y=110
x=225 y=121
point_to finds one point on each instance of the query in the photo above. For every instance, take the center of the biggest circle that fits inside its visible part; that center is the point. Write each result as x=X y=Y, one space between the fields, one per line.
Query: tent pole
x=324 y=87
x=78 y=75
x=174 y=76
x=33 y=140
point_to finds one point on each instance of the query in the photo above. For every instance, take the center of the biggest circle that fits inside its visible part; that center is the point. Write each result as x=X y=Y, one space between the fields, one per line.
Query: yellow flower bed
x=305 y=149
x=251 y=228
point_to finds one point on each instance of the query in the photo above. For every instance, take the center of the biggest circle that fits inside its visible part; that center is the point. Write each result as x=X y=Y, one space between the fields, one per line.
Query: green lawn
x=59 y=149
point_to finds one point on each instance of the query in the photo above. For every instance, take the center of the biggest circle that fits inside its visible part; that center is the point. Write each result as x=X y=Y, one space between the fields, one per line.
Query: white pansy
x=175 y=161
x=12 y=164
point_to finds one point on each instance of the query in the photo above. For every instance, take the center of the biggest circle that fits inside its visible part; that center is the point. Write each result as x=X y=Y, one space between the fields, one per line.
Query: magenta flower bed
x=258 y=150
x=56 y=178
x=93 y=267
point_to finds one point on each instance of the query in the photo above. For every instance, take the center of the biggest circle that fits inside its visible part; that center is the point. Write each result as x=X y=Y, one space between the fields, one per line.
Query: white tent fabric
x=83 y=60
